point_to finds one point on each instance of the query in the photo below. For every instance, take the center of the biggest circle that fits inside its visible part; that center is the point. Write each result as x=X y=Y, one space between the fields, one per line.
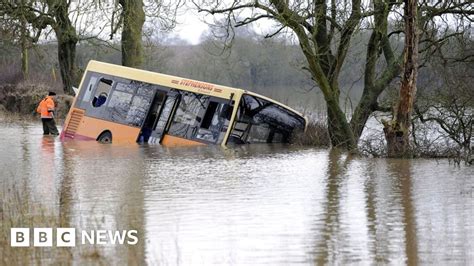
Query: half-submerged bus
x=122 y=104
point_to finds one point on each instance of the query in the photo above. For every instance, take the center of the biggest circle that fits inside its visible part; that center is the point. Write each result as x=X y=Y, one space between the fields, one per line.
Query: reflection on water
x=249 y=205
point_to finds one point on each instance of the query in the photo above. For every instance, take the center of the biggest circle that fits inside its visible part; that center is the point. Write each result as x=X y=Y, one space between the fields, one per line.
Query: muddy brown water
x=250 y=205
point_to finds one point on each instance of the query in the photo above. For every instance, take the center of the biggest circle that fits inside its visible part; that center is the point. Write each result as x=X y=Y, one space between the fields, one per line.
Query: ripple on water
x=249 y=205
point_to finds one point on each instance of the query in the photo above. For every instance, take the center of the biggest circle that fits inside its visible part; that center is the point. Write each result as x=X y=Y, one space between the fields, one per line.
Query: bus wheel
x=105 y=138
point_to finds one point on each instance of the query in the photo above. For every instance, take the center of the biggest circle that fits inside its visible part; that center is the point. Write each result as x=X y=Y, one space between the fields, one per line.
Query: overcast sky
x=190 y=26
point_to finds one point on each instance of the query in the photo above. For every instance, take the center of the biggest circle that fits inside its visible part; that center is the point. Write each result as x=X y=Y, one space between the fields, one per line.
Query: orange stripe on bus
x=172 y=141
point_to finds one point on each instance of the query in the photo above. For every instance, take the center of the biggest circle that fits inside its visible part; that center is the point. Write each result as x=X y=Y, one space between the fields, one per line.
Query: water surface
x=250 y=205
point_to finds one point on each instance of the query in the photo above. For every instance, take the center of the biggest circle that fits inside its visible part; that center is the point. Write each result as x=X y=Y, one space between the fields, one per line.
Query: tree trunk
x=375 y=83
x=66 y=58
x=369 y=100
x=24 y=56
x=361 y=114
x=133 y=20
x=397 y=131
x=67 y=41
x=339 y=129
x=24 y=46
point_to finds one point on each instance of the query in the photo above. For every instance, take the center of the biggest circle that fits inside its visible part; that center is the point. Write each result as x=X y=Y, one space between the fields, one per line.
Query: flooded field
x=251 y=205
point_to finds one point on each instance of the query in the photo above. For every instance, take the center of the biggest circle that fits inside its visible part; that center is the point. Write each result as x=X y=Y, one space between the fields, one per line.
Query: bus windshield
x=261 y=121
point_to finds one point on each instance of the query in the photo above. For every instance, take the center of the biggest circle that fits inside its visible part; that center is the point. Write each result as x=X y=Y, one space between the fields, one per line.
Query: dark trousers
x=49 y=126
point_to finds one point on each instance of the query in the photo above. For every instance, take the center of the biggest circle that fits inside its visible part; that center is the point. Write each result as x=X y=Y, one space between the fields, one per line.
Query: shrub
x=316 y=134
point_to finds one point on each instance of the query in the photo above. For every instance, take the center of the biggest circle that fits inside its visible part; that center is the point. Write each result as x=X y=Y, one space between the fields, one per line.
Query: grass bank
x=19 y=101
x=19 y=210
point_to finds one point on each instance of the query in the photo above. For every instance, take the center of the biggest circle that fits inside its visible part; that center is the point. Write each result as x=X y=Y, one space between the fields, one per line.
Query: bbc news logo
x=66 y=237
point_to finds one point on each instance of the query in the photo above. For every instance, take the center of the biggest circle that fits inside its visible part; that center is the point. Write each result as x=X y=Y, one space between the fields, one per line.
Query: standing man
x=46 y=109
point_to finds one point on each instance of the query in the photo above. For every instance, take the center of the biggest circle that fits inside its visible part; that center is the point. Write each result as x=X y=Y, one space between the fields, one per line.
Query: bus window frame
x=103 y=112
x=230 y=103
x=156 y=88
x=177 y=94
x=90 y=88
x=164 y=90
x=96 y=87
x=246 y=132
x=218 y=101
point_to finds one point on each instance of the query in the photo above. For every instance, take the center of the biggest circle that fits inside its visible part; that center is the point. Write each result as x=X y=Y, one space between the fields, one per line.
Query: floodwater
x=250 y=205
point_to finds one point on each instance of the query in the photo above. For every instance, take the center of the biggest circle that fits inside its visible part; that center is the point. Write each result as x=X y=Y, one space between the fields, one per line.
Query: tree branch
x=275 y=33
x=346 y=36
x=250 y=20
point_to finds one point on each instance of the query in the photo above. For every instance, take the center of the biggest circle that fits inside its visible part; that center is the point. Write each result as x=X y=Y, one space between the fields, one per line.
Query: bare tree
x=446 y=99
x=54 y=13
x=452 y=111
x=66 y=17
x=397 y=131
x=324 y=30
x=21 y=33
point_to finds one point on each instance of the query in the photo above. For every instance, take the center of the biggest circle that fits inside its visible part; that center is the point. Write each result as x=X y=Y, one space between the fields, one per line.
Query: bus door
x=163 y=119
x=152 y=116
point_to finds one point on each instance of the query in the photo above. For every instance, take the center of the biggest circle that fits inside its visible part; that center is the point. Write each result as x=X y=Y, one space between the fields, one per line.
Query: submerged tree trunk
x=339 y=129
x=375 y=83
x=397 y=131
x=133 y=20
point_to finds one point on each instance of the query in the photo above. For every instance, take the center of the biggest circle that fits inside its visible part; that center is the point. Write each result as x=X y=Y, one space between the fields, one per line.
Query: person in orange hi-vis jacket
x=46 y=109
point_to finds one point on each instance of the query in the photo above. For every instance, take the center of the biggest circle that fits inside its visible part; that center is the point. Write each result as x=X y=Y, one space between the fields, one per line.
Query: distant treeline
x=272 y=67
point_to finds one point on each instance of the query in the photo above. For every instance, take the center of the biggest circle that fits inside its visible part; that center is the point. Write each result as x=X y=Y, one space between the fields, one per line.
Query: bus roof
x=164 y=80
x=275 y=102
x=176 y=82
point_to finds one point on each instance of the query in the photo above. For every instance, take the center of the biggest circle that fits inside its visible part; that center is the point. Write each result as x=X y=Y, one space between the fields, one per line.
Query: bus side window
x=188 y=115
x=215 y=122
x=260 y=121
x=102 y=92
x=208 y=117
x=89 y=89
